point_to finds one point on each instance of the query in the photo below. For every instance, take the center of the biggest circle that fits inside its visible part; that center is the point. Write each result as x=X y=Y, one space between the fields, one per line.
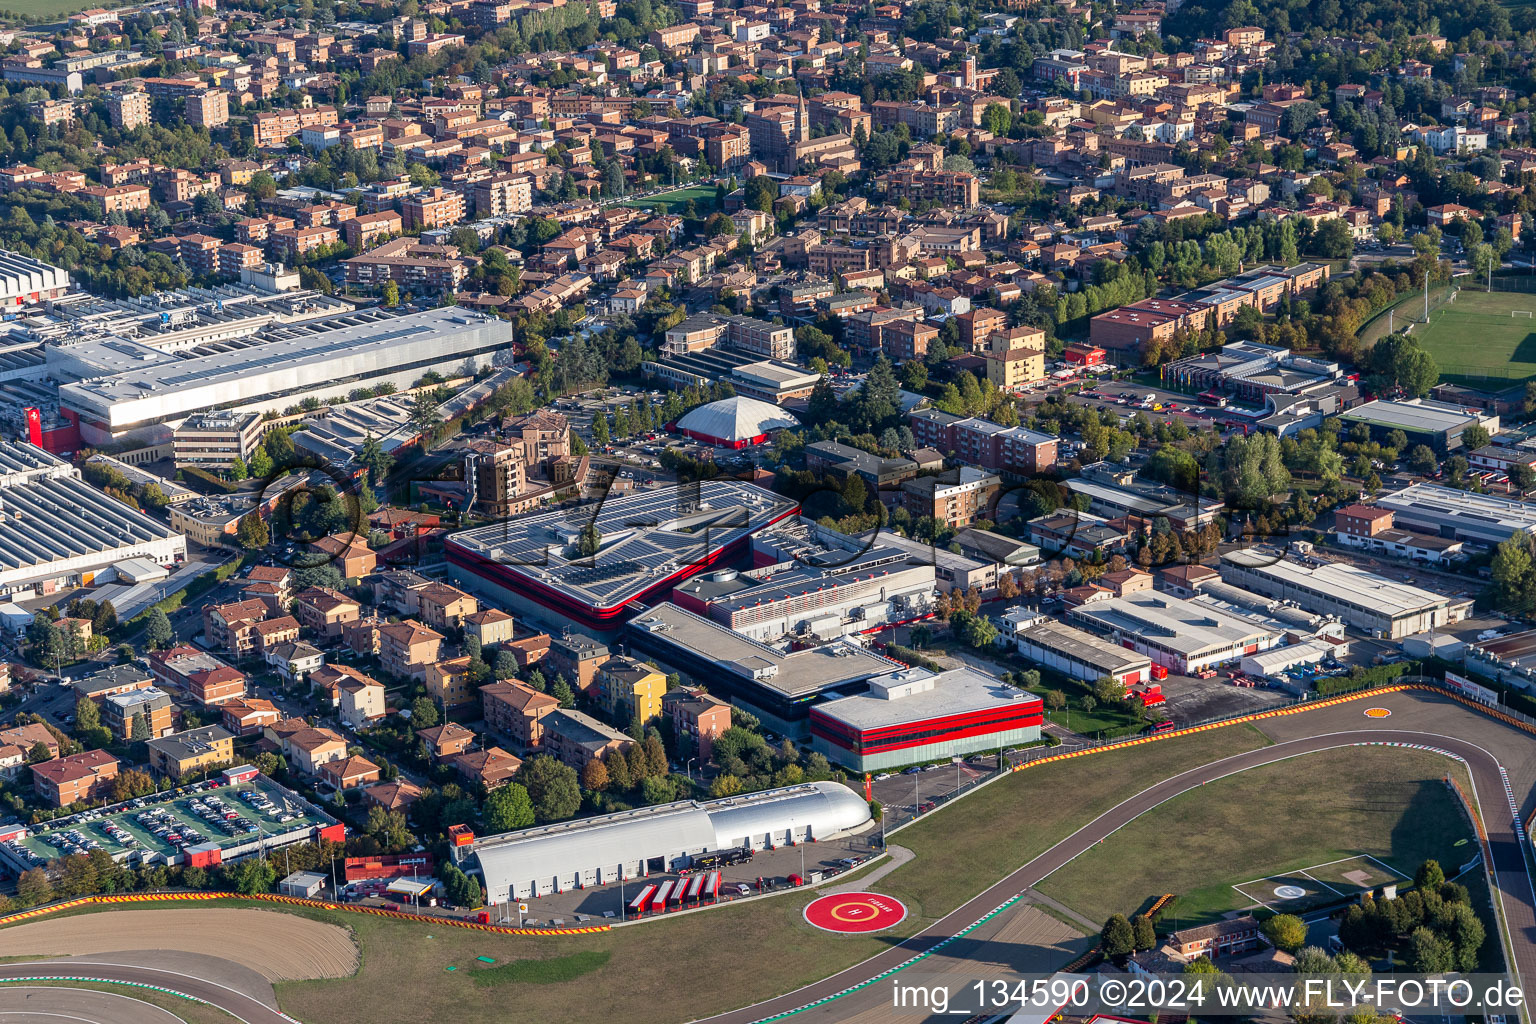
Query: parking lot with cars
x=159 y=827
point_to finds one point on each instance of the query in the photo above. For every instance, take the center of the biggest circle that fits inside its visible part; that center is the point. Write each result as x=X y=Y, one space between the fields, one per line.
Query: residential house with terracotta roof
x=393 y=796
x=360 y=697
x=351 y=555
x=408 y=648
x=445 y=607
x=78 y=778
x=325 y=611
x=247 y=716
x=448 y=681
x=491 y=768
x=490 y=626
x=446 y=740
x=516 y=711
x=349 y=772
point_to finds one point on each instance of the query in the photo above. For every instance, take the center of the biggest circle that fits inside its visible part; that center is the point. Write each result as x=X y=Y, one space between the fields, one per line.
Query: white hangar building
x=596 y=851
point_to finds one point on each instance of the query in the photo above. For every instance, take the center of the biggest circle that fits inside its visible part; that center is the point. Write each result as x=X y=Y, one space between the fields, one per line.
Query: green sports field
x=1476 y=337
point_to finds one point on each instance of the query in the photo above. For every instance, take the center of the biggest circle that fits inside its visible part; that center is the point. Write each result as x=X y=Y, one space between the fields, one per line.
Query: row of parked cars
x=262 y=803
x=72 y=841
x=221 y=816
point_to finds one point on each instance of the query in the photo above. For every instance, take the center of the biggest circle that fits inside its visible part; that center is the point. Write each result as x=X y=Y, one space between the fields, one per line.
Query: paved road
x=51 y=1004
x=236 y=1003
x=1483 y=743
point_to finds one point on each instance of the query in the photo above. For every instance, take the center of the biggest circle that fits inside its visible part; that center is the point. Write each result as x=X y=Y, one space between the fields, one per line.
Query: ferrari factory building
x=915 y=715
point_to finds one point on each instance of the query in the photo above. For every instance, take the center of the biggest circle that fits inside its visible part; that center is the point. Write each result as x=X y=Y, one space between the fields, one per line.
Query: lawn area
x=1274 y=821
x=45 y=8
x=960 y=851
x=1475 y=337
x=757 y=949
x=702 y=195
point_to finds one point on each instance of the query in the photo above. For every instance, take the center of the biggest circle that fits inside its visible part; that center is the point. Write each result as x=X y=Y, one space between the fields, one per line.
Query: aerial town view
x=759 y=511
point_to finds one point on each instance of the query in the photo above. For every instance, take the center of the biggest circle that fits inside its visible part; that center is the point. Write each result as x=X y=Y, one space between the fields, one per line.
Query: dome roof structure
x=735 y=422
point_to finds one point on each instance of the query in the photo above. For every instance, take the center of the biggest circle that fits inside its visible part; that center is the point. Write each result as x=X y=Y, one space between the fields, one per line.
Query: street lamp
x=689 y=768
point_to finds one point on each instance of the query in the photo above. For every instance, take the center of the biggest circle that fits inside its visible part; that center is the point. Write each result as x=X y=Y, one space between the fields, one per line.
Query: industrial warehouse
x=644 y=543
x=1181 y=636
x=141 y=391
x=915 y=715
x=1368 y=602
x=667 y=837
x=55 y=530
x=777 y=686
x=1066 y=649
x=1453 y=514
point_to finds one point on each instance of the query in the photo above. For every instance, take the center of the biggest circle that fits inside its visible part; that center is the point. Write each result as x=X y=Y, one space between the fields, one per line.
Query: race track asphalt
x=237 y=1004
x=1417 y=719
x=1488 y=747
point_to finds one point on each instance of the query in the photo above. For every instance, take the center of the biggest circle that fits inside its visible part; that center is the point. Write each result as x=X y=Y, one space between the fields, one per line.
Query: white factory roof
x=1339 y=582
x=1477 y=511
x=49 y=515
x=547 y=851
x=736 y=419
x=1073 y=643
x=1171 y=623
x=1414 y=414
x=917 y=695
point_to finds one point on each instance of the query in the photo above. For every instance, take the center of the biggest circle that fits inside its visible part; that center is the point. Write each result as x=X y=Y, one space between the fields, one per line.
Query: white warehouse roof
x=666 y=830
x=736 y=419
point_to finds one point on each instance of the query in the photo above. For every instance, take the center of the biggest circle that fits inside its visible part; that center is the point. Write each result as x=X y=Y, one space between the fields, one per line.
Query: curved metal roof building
x=735 y=422
x=596 y=851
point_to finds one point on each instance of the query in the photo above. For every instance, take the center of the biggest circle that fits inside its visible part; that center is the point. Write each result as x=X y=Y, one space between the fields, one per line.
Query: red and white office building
x=914 y=715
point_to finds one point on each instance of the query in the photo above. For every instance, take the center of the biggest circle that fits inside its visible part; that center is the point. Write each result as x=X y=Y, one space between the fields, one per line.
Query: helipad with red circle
x=855 y=912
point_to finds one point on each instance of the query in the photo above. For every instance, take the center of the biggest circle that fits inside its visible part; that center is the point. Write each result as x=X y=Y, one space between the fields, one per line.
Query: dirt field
x=280 y=947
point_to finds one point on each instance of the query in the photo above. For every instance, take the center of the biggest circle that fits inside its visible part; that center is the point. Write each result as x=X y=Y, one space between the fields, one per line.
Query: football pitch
x=1482 y=335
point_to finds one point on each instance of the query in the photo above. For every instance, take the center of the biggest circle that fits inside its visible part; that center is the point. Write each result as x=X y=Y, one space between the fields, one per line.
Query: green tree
x=377 y=461
x=552 y=786
x=423 y=713
x=253 y=532
x=1430 y=876
x=237 y=469
x=561 y=691
x=508 y=808
x=33 y=888
x=1146 y=932
x=157 y=629
x=1117 y=937
x=1422 y=459
x=1286 y=932
x=1475 y=437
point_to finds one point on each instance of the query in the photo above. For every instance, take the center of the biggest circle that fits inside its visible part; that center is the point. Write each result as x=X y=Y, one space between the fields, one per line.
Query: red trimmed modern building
x=646 y=543
x=915 y=715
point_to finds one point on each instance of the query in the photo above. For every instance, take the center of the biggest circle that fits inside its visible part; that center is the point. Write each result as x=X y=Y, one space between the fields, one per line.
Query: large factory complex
x=57 y=531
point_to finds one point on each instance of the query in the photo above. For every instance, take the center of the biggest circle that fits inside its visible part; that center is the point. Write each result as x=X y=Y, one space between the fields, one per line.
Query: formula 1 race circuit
x=1492 y=750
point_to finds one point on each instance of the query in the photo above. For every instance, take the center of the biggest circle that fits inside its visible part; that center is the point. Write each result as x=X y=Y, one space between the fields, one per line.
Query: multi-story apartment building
x=438 y=208
x=128 y=110
x=502 y=194
x=1016 y=451
x=627 y=688
x=954 y=498
x=118 y=199
x=406 y=648
x=78 y=778
x=410 y=264
x=747 y=334
x=956 y=189
x=516 y=711
x=208 y=108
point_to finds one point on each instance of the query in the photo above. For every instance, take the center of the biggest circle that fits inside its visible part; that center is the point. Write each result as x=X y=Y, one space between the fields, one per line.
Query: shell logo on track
x=1377 y=712
x=855 y=912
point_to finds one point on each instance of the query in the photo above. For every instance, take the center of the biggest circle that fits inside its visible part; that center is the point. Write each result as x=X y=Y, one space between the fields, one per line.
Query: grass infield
x=1309 y=823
